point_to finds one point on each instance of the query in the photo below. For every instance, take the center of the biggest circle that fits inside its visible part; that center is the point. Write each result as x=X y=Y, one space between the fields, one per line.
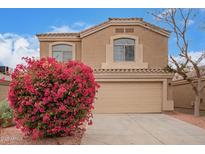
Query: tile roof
x=141 y=19
x=59 y=34
x=153 y=70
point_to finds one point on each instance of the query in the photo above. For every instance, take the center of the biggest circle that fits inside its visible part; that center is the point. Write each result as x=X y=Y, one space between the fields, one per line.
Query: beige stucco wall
x=169 y=89
x=183 y=95
x=91 y=49
x=4 y=88
x=155 y=47
x=46 y=45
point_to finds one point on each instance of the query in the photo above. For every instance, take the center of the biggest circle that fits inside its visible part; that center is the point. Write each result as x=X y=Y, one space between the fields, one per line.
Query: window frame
x=124 y=49
x=63 y=52
x=63 y=43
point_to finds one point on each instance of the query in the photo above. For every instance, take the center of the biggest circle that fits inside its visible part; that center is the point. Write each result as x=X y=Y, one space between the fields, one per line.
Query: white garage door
x=129 y=97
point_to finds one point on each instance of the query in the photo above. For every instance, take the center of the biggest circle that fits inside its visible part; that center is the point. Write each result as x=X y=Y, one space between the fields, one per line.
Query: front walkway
x=141 y=129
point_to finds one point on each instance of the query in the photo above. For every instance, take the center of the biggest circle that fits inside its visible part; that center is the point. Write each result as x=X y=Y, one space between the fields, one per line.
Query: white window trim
x=66 y=43
x=138 y=60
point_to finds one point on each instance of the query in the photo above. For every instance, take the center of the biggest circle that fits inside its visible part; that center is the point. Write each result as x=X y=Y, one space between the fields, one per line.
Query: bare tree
x=179 y=20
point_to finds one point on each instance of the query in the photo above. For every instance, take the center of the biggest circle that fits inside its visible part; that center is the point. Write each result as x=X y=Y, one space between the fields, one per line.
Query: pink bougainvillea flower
x=90 y=122
x=51 y=98
x=33 y=118
x=62 y=107
x=36 y=134
x=2 y=79
x=20 y=109
x=61 y=91
x=46 y=118
x=41 y=109
x=28 y=103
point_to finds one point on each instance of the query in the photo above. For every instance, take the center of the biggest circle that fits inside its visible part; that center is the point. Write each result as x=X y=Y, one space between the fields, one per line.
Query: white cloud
x=163 y=14
x=194 y=56
x=62 y=29
x=13 y=47
x=166 y=13
x=75 y=27
x=80 y=24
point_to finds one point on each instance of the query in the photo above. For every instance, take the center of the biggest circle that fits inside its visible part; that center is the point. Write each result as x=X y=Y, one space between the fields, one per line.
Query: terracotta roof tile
x=153 y=70
x=120 y=19
x=59 y=34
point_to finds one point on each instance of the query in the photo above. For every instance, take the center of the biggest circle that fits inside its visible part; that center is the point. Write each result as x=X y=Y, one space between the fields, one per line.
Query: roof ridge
x=129 y=18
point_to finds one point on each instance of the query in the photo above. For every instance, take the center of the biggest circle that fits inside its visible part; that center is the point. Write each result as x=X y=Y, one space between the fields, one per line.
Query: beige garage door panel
x=129 y=97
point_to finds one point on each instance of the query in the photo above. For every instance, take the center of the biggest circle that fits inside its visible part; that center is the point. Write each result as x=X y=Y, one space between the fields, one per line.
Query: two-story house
x=128 y=56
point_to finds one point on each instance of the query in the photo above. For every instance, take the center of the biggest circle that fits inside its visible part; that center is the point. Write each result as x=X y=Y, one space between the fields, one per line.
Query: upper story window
x=124 y=49
x=62 y=52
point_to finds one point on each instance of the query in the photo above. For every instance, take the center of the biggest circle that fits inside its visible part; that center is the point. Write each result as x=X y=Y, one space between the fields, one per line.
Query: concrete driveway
x=141 y=129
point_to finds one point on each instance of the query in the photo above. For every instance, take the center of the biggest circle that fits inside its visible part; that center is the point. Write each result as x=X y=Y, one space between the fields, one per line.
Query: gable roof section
x=109 y=22
x=124 y=22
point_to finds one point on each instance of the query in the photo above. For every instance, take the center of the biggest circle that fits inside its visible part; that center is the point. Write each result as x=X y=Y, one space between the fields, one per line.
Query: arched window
x=62 y=52
x=124 y=49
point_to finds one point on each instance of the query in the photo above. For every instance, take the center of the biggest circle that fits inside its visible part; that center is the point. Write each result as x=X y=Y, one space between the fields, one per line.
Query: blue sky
x=19 y=26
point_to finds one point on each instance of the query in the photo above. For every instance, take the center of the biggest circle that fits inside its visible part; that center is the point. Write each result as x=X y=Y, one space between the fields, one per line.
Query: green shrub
x=6 y=114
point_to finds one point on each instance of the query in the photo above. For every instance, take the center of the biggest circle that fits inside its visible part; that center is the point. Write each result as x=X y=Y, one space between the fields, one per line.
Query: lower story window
x=62 y=52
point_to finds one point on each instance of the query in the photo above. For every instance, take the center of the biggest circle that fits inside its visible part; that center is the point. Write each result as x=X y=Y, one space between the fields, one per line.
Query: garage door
x=129 y=97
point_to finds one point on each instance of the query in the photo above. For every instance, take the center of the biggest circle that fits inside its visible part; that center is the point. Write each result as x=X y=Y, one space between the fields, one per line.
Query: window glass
x=124 y=41
x=67 y=55
x=62 y=52
x=119 y=53
x=129 y=53
x=58 y=55
x=124 y=49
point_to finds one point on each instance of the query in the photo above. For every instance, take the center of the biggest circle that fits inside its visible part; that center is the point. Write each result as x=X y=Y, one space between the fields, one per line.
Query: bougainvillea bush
x=51 y=98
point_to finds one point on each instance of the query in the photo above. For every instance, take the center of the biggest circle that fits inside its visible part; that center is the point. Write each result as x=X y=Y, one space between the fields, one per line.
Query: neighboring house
x=4 y=86
x=128 y=56
x=183 y=93
x=5 y=70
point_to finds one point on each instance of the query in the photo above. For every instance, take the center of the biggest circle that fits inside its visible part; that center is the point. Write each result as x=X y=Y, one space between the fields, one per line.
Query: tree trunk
x=196 y=106
x=197 y=99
